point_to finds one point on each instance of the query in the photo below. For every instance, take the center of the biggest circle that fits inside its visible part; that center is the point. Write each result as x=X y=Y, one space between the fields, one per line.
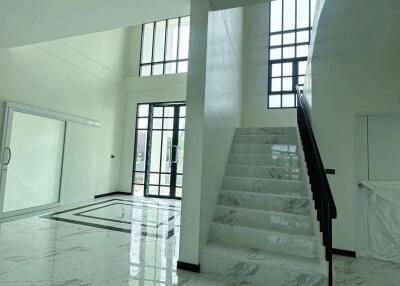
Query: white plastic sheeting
x=379 y=209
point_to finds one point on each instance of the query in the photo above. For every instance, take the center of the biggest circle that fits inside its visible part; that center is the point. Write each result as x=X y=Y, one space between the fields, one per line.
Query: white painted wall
x=354 y=71
x=255 y=73
x=64 y=77
x=214 y=111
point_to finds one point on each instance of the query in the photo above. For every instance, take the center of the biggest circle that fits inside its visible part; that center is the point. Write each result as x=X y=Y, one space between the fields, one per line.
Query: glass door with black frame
x=160 y=135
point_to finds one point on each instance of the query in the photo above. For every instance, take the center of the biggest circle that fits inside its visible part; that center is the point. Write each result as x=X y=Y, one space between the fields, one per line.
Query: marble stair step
x=264 y=160
x=266 y=131
x=271 y=186
x=265 y=172
x=265 y=139
x=268 y=220
x=276 y=149
x=274 y=241
x=263 y=201
x=261 y=268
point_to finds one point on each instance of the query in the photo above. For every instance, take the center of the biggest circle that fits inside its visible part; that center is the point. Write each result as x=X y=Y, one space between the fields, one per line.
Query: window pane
x=182 y=122
x=147 y=43
x=145 y=70
x=275 y=40
x=155 y=151
x=182 y=67
x=158 y=69
x=154 y=179
x=303 y=37
x=276 y=70
x=303 y=9
x=159 y=42
x=165 y=179
x=172 y=40
x=287 y=83
x=169 y=111
x=143 y=110
x=275 y=101
x=184 y=38
x=142 y=123
x=168 y=123
x=158 y=111
x=313 y=6
x=288 y=52
x=301 y=79
x=182 y=111
x=164 y=191
x=178 y=192
x=289 y=14
x=157 y=123
x=276 y=84
x=275 y=54
x=276 y=16
x=288 y=38
x=179 y=180
x=139 y=178
x=166 y=154
x=287 y=69
x=153 y=190
x=302 y=68
x=302 y=51
x=170 y=68
x=288 y=100
x=141 y=141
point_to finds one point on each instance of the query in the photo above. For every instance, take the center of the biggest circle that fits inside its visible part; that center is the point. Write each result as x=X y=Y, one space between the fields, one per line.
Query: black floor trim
x=112 y=194
x=188 y=266
x=343 y=252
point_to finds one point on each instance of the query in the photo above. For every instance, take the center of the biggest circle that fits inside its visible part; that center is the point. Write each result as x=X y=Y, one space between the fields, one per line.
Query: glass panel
x=287 y=83
x=276 y=84
x=168 y=123
x=313 y=6
x=182 y=67
x=139 y=178
x=275 y=54
x=158 y=111
x=145 y=70
x=276 y=16
x=166 y=152
x=301 y=80
x=288 y=100
x=275 y=101
x=142 y=123
x=180 y=151
x=155 y=151
x=141 y=141
x=302 y=68
x=303 y=36
x=169 y=111
x=159 y=42
x=154 y=179
x=287 y=69
x=184 y=38
x=289 y=38
x=157 y=123
x=275 y=40
x=302 y=51
x=138 y=190
x=158 y=69
x=147 y=44
x=178 y=192
x=303 y=9
x=182 y=111
x=165 y=180
x=276 y=70
x=182 y=122
x=143 y=110
x=288 y=52
x=179 y=180
x=153 y=190
x=170 y=68
x=289 y=14
x=172 y=40
x=164 y=191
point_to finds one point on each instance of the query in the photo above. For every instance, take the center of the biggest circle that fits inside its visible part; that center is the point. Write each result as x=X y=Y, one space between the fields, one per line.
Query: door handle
x=9 y=156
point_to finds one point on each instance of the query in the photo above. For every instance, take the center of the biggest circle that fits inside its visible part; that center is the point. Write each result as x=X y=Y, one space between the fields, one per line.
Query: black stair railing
x=322 y=195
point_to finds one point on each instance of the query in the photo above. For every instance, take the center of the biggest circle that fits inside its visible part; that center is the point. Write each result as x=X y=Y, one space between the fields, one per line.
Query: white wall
x=66 y=78
x=354 y=71
x=214 y=111
x=255 y=73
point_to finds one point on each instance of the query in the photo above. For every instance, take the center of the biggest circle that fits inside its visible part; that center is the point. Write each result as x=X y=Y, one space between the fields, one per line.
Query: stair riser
x=263 y=202
x=265 y=139
x=264 y=186
x=264 y=160
x=266 y=131
x=259 y=239
x=265 y=149
x=257 y=274
x=257 y=219
x=264 y=172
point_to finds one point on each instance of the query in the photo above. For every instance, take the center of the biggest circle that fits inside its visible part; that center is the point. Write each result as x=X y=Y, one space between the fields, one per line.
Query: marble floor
x=124 y=241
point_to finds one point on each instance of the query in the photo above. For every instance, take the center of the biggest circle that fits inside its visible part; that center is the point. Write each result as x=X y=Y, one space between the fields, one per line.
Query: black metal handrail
x=322 y=194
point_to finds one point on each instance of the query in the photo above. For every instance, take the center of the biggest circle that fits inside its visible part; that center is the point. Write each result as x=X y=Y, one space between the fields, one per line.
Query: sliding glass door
x=160 y=136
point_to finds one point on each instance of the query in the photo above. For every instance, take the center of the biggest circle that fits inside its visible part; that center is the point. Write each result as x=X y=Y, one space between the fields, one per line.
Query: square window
x=154 y=179
x=302 y=68
x=276 y=84
x=275 y=40
x=301 y=80
x=302 y=51
x=288 y=52
x=276 y=70
x=145 y=70
x=274 y=101
x=288 y=100
x=170 y=68
x=303 y=37
x=275 y=54
x=182 y=67
x=289 y=38
x=287 y=83
x=287 y=69
x=158 y=69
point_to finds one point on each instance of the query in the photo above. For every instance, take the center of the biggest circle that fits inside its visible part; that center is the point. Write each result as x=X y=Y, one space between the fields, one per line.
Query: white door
x=32 y=162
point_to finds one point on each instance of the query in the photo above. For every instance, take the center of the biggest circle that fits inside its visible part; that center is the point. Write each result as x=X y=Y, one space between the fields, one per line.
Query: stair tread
x=259 y=256
x=266 y=212
x=274 y=195
x=265 y=179
x=261 y=166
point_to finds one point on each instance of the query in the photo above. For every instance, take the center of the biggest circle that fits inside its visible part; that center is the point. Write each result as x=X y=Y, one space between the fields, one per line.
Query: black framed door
x=159 y=146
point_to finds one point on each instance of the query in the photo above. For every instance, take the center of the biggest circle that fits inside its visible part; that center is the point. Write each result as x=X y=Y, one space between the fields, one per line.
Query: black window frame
x=294 y=60
x=152 y=63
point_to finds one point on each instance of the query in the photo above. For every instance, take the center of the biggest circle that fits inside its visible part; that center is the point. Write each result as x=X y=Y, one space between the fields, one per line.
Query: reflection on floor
x=123 y=241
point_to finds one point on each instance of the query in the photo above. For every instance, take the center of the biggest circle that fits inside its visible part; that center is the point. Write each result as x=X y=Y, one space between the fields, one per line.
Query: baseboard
x=188 y=266
x=112 y=194
x=343 y=252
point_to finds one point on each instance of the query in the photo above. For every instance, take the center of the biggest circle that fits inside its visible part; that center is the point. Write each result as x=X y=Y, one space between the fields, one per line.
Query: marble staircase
x=263 y=232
